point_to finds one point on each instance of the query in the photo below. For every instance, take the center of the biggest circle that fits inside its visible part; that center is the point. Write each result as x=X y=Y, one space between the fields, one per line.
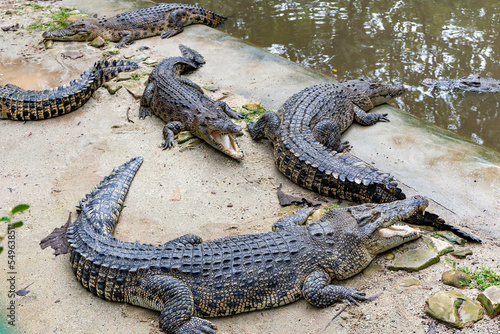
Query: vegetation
x=138 y=76
x=481 y=279
x=253 y=110
x=12 y=225
x=56 y=19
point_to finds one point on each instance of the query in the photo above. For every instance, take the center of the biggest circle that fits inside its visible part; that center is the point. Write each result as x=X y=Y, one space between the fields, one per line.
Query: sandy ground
x=52 y=164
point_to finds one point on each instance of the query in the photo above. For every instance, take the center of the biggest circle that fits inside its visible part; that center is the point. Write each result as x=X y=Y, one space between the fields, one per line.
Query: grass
x=253 y=111
x=138 y=76
x=57 y=19
x=481 y=279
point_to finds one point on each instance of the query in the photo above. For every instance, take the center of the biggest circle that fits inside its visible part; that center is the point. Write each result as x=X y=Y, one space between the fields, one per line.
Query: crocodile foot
x=351 y=295
x=195 y=326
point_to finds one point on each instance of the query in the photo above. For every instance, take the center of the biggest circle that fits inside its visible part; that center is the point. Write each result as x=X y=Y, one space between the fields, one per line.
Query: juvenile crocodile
x=29 y=105
x=306 y=135
x=187 y=278
x=183 y=105
x=472 y=83
x=165 y=19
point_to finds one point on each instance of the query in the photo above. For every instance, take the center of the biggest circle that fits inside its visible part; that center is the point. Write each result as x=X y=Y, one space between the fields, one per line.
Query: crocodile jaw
x=224 y=143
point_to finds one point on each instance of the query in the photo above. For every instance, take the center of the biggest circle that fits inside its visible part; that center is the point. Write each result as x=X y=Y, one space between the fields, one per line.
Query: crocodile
x=183 y=105
x=29 y=105
x=165 y=19
x=188 y=279
x=306 y=133
x=472 y=83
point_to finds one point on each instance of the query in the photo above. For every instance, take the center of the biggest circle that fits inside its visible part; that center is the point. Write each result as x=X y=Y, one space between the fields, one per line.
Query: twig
x=128 y=118
x=335 y=316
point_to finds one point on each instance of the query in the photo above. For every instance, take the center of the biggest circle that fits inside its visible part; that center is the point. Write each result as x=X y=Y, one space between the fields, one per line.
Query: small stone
x=372 y=268
x=76 y=17
x=72 y=54
x=436 y=245
x=456 y=278
x=8 y=12
x=453 y=308
x=144 y=47
x=253 y=106
x=409 y=281
x=230 y=205
x=112 y=87
x=128 y=56
x=490 y=299
x=211 y=88
x=123 y=76
x=454 y=239
x=184 y=136
x=414 y=260
x=389 y=256
x=113 y=51
x=98 y=42
x=48 y=43
x=139 y=58
x=450 y=263
x=151 y=62
x=134 y=88
x=462 y=253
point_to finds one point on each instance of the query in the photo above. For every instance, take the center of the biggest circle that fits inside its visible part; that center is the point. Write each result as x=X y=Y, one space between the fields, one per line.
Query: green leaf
x=20 y=208
x=5 y=219
x=1 y=249
x=17 y=224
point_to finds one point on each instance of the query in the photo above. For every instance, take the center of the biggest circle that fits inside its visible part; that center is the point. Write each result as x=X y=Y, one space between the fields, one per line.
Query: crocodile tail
x=333 y=174
x=28 y=105
x=207 y=17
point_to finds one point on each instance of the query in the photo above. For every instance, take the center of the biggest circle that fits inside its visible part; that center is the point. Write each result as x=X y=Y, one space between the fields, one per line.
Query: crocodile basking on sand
x=183 y=105
x=472 y=83
x=188 y=279
x=28 y=105
x=165 y=19
x=306 y=134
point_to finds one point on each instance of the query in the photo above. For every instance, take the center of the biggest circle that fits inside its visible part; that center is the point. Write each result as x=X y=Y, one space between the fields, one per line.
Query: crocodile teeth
x=227 y=143
x=397 y=230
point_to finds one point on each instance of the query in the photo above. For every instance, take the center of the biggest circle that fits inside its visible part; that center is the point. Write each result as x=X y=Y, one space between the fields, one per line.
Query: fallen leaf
x=286 y=199
x=177 y=196
x=23 y=292
x=57 y=239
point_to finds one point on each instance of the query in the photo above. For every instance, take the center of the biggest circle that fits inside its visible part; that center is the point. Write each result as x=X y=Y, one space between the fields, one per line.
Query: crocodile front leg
x=318 y=291
x=365 y=118
x=174 y=300
x=145 y=108
x=174 y=24
x=169 y=132
x=228 y=111
x=328 y=133
x=127 y=38
x=299 y=218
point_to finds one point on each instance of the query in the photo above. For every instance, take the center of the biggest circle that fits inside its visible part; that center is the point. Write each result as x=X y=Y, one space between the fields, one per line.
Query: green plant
x=329 y=207
x=8 y=219
x=253 y=110
x=58 y=19
x=481 y=279
x=138 y=76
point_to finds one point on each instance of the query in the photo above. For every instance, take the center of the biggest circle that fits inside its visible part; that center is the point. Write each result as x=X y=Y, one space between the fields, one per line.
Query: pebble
x=490 y=299
x=453 y=308
x=456 y=278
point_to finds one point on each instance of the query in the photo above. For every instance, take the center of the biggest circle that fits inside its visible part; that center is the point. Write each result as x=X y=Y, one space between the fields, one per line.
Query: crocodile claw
x=197 y=326
x=383 y=118
x=352 y=295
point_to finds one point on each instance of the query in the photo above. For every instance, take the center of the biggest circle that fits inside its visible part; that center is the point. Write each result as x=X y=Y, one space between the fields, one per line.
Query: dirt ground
x=52 y=164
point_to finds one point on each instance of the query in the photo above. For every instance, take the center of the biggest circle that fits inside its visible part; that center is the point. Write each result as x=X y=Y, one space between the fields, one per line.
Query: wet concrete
x=52 y=164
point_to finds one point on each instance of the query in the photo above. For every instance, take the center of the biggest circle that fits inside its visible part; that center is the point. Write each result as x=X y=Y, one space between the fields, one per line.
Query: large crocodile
x=472 y=83
x=306 y=135
x=165 y=19
x=187 y=278
x=183 y=105
x=307 y=147
x=29 y=105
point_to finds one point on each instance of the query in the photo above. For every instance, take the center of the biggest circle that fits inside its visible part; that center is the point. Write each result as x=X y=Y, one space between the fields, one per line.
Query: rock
x=389 y=256
x=490 y=299
x=139 y=58
x=372 y=268
x=113 y=51
x=151 y=62
x=414 y=260
x=439 y=246
x=456 y=278
x=211 y=88
x=134 y=88
x=112 y=87
x=98 y=42
x=453 y=308
x=76 y=17
x=184 y=136
x=253 y=106
x=451 y=237
x=72 y=54
x=144 y=47
x=408 y=281
x=462 y=253
x=48 y=43
x=450 y=263
x=123 y=76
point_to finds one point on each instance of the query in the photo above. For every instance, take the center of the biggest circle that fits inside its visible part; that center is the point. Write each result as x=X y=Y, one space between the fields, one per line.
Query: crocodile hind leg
x=318 y=291
x=328 y=133
x=145 y=109
x=365 y=118
x=174 y=300
x=299 y=218
x=266 y=126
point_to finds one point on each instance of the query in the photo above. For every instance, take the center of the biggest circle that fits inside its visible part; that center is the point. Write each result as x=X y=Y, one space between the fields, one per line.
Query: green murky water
x=399 y=41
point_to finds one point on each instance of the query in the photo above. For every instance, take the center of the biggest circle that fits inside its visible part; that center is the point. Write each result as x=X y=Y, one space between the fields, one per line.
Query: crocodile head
x=380 y=223
x=219 y=132
x=379 y=93
x=79 y=30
